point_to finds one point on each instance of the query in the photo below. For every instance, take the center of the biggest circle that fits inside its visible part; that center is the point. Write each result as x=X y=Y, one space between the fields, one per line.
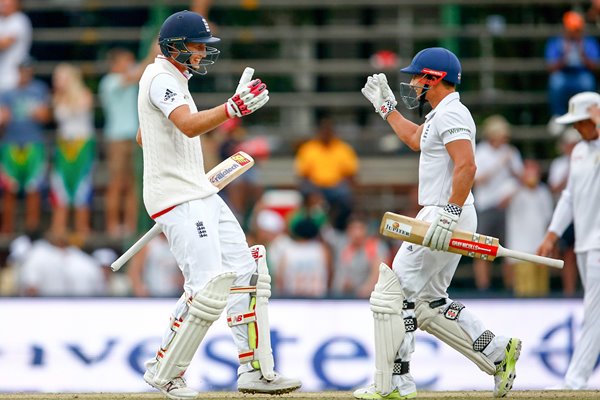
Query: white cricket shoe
x=254 y=382
x=371 y=393
x=175 y=389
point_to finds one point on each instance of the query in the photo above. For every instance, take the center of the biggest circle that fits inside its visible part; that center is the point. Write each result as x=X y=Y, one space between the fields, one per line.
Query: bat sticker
x=397 y=227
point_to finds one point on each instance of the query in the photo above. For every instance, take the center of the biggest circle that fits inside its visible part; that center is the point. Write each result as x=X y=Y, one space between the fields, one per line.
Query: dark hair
x=305 y=228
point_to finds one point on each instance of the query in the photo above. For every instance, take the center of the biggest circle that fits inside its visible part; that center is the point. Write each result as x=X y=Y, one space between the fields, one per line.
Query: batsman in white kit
x=413 y=293
x=579 y=204
x=207 y=241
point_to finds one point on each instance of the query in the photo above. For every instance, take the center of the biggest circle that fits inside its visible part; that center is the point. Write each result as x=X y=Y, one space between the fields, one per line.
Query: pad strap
x=483 y=341
x=410 y=324
x=401 y=367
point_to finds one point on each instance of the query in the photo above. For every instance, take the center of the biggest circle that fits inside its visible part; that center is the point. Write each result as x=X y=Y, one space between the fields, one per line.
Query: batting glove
x=247 y=99
x=440 y=231
x=378 y=92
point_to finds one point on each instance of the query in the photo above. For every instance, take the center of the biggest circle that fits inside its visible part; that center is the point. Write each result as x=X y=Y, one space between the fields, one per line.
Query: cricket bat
x=220 y=176
x=469 y=244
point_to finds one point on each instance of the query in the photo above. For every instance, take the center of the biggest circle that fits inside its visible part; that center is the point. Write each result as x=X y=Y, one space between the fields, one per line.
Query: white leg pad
x=188 y=330
x=257 y=318
x=449 y=331
x=386 y=304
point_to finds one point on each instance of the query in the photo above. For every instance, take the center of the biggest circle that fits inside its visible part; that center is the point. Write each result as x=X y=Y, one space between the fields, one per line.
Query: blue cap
x=435 y=59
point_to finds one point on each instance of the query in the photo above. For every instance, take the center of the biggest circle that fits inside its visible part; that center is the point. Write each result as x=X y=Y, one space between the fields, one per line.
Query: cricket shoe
x=371 y=393
x=254 y=382
x=505 y=370
x=175 y=389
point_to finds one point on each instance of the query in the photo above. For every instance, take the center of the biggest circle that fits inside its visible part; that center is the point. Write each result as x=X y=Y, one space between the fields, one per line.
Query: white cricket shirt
x=580 y=201
x=449 y=121
x=173 y=163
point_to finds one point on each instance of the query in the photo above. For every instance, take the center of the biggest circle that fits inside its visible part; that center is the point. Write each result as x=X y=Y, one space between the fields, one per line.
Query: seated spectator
x=23 y=160
x=53 y=267
x=270 y=231
x=356 y=260
x=154 y=272
x=572 y=59
x=329 y=165
x=117 y=284
x=305 y=269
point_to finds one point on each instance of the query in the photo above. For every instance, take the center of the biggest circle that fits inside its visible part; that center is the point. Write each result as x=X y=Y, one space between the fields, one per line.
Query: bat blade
x=234 y=166
x=469 y=244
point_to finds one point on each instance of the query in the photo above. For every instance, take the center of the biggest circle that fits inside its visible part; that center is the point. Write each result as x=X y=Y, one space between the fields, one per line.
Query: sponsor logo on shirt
x=456 y=131
x=170 y=95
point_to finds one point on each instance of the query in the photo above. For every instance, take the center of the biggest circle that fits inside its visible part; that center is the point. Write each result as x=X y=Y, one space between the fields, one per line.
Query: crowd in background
x=318 y=245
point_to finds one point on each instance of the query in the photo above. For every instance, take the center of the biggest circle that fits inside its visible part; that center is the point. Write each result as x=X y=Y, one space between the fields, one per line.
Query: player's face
x=198 y=51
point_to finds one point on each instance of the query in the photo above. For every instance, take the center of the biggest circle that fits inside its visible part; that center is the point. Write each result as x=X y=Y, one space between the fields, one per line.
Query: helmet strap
x=422 y=99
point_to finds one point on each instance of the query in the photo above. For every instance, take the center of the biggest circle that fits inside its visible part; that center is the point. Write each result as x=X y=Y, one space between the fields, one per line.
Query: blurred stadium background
x=315 y=56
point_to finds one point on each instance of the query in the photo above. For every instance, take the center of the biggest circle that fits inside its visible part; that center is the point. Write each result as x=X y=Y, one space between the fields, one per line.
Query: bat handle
x=520 y=255
x=119 y=262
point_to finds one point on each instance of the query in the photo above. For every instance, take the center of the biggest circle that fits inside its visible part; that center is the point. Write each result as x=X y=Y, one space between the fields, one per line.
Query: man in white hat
x=578 y=204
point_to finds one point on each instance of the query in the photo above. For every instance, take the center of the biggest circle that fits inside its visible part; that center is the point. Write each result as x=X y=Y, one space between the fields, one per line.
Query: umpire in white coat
x=579 y=204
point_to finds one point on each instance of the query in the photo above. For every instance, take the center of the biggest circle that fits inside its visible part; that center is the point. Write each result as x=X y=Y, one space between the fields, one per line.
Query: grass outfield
x=472 y=395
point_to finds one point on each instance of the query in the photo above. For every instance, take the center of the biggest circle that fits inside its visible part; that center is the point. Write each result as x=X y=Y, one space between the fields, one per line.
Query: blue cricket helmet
x=187 y=27
x=435 y=59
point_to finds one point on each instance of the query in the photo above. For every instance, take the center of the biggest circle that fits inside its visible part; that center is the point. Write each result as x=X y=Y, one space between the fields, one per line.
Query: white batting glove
x=440 y=231
x=378 y=92
x=249 y=96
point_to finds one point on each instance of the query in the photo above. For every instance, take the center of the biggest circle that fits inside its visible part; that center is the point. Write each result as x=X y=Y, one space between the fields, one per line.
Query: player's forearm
x=198 y=123
x=462 y=182
x=407 y=131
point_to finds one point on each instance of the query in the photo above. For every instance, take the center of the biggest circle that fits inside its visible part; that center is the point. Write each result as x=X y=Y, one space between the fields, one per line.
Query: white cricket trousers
x=207 y=240
x=587 y=347
x=425 y=275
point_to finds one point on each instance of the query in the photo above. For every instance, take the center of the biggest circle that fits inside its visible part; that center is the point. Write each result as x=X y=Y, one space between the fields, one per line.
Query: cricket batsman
x=203 y=234
x=413 y=293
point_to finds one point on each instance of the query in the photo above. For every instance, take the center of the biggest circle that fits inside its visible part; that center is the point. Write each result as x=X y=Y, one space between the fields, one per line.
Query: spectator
x=117 y=284
x=528 y=216
x=271 y=232
x=499 y=164
x=557 y=179
x=329 y=165
x=52 y=267
x=305 y=269
x=313 y=206
x=154 y=272
x=15 y=42
x=244 y=192
x=71 y=176
x=356 y=260
x=593 y=12
x=118 y=92
x=26 y=109
x=572 y=60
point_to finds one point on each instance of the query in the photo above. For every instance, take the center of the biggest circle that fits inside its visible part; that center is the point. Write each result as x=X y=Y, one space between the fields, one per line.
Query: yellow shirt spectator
x=326 y=163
